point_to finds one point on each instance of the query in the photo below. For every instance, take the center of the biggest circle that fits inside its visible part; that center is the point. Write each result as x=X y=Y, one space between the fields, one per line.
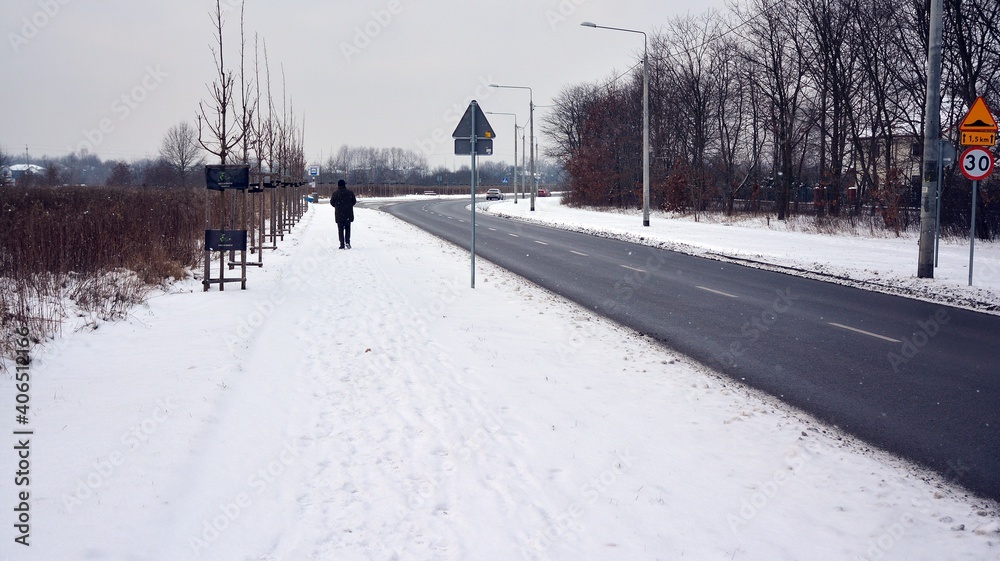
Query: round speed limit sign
x=977 y=163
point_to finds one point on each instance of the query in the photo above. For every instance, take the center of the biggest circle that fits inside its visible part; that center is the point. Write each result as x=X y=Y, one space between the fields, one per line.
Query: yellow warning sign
x=979 y=119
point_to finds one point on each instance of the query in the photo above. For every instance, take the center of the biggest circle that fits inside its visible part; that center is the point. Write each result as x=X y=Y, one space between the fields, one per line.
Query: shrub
x=98 y=249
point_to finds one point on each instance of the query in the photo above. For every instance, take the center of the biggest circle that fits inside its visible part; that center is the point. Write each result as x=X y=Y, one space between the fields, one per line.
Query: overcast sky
x=113 y=75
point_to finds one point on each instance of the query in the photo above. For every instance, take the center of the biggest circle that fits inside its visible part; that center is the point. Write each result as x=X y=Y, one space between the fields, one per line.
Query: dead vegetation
x=90 y=251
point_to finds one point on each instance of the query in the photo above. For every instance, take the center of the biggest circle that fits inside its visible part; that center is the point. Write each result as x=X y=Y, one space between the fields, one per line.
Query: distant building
x=904 y=155
x=15 y=171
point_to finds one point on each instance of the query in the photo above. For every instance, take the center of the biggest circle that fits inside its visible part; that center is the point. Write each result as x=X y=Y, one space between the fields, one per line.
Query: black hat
x=341 y=183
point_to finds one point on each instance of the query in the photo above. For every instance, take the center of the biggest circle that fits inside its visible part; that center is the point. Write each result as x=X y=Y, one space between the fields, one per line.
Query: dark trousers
x=344 y=231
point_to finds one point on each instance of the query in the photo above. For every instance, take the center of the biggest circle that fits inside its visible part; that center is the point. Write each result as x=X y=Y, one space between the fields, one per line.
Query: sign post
x=946 y=157
x=222 y=178
x=979 y=131
x=977 y=163
x=472 y=136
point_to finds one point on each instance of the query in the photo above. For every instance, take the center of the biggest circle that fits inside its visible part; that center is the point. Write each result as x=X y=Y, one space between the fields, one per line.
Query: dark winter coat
x=343 y=200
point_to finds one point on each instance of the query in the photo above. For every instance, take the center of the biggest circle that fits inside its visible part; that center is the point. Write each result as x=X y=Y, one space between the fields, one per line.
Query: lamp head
x=588 y=24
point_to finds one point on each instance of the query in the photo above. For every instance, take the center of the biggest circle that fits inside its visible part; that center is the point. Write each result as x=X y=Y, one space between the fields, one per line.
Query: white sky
x=67 y=64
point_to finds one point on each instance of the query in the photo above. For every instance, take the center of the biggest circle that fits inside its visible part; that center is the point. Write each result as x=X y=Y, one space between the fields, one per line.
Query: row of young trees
x=241 y=123
x=776 y=99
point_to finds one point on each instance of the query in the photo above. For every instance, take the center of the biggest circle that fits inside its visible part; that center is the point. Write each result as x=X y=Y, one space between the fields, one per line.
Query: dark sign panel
x=464 y=148
x=220 y=178
x=225 y=240
x=483 y=128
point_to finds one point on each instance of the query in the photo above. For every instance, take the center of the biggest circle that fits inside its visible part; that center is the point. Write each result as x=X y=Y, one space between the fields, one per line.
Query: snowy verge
x=883 y=264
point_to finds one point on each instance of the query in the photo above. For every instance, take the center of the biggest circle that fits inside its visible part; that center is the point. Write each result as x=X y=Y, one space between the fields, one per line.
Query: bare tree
x=181 y=151
x=776 y=55
x=692 y=70
x=121 y=176
x=249 y=97
x=216 y=132
x=740 y=125
x=564 y=125
x=4 y=163
x=972 y=30
x=833 y=68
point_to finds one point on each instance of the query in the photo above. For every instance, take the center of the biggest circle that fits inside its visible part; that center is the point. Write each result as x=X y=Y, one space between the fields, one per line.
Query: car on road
x=544 y=192
x=492 y=194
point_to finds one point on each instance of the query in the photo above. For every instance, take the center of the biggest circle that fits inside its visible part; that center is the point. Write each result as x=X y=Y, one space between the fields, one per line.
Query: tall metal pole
x=645 y=133
x=515 y=159
x=524 y=153
x=972 y=229
x=531 y=122
x=645 y=114
x=472 y=139
x=937 y=198
x=932 y=148
x=515 y=147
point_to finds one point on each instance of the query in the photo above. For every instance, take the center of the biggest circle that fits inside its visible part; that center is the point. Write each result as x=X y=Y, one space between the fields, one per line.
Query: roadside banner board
x=225 y=240
x=220 y=178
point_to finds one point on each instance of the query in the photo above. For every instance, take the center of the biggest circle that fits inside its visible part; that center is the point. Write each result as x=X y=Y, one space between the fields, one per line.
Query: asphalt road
x=917 y=379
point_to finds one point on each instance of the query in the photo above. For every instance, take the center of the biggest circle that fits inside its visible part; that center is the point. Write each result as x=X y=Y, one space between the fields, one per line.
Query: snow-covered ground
x=367 y=404
x=872 y=260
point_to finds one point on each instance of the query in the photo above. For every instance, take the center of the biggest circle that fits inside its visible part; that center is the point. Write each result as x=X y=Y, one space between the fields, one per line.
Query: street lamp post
x=531 y=125
x=645 y=115
x=515 y=148
x=524 y=157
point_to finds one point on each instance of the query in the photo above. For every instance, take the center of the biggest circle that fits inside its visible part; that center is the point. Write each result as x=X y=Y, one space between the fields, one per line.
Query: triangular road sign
x=979 y=118
x=483 y=128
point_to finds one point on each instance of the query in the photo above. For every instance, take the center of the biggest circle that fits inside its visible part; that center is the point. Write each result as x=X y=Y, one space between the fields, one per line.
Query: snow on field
x=872 y=260
x=367 y=404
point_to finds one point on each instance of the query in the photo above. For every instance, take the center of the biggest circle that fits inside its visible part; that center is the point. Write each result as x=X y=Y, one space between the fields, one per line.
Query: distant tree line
x=178 y=164
x=181 y=160
x=365 y=165
x=782 y=102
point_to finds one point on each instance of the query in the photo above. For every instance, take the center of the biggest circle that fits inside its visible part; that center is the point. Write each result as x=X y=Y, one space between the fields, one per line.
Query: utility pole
x=932 y=148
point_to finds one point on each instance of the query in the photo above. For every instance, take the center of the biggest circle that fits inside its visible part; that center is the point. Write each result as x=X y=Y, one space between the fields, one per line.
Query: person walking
x=343 y=201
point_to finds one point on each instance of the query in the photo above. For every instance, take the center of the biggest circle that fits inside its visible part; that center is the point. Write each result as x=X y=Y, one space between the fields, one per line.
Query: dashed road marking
x=863 y=332
x=719 y=292
x=578 y=253
x=634 y=269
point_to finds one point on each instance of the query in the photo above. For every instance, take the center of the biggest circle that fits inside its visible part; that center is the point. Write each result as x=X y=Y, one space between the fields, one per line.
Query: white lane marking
x=634 y=269
x=543 y=243
x=515 y=235
x=863 y=332
x=578 y=253
x=719 y=292
x=492 y=229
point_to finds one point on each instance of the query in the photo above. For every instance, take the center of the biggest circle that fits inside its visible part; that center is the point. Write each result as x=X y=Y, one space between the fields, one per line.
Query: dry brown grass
x=90 y=250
